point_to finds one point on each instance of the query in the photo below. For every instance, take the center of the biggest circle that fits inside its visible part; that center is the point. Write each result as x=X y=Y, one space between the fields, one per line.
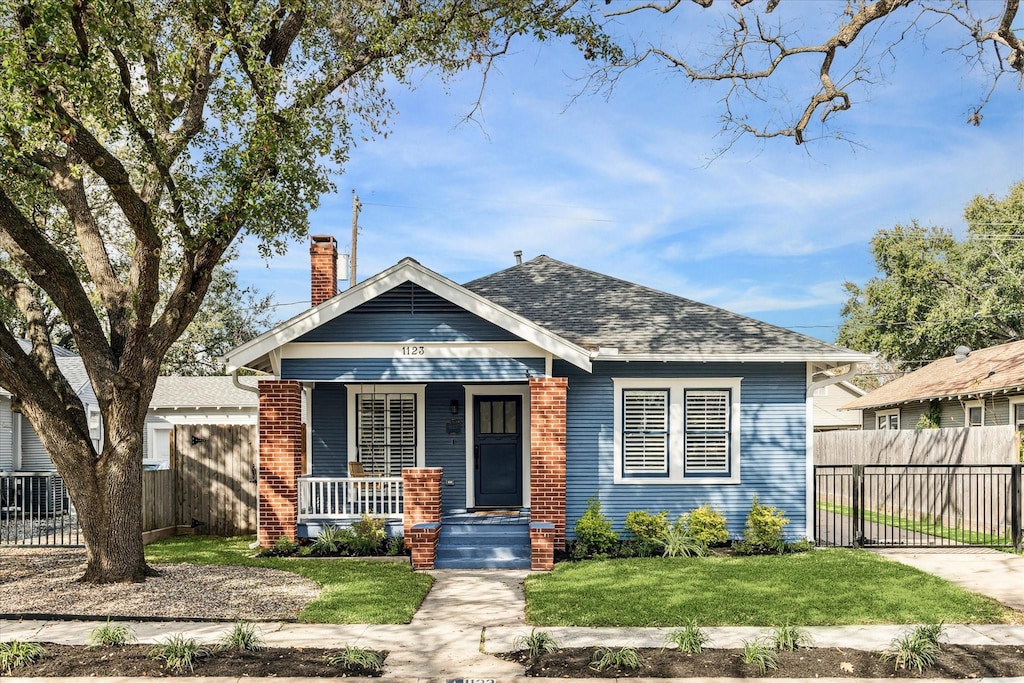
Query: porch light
x=454 y=406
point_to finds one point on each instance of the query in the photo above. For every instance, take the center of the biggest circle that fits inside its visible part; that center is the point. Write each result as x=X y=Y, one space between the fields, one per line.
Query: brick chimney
x=323 y=265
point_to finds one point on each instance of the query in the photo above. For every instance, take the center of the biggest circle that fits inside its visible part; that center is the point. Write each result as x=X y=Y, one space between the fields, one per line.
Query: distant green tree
x=937 y=292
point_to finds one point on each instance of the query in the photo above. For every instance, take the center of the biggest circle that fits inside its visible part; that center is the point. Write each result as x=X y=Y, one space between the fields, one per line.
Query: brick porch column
x=421 y=513
x=547 y=453
x=280 y=424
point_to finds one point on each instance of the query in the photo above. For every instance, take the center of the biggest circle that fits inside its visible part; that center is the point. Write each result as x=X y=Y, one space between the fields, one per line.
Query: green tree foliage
x=936 y=292
x=139 y=139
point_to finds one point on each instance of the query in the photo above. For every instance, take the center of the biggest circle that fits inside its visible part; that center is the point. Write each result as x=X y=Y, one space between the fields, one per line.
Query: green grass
x=929 y=527
x=354 y=592
x=823 y=587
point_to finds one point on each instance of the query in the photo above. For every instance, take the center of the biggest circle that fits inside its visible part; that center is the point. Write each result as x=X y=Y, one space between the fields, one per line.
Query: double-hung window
x=677 y=431
x=385 y=428
x=887 y=419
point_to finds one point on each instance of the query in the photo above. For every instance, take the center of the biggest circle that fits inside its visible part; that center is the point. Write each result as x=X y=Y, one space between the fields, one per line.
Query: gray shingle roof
x=203 y=392
x=595 y=310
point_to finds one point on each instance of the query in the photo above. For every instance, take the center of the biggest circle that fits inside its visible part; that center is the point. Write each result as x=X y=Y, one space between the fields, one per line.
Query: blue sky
x=622 y=184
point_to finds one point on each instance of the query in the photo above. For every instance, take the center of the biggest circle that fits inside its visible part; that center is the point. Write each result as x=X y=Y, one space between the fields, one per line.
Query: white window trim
x=888 y=413
x=152 y=457
x=474 y=390
x=967 y=412
x=418 y=389
x=676 y=388
x=1014 y=402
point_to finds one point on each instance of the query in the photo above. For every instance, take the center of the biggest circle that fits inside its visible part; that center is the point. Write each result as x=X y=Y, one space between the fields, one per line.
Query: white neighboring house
x=828 y=402
x=211 y=400
x=21 y=450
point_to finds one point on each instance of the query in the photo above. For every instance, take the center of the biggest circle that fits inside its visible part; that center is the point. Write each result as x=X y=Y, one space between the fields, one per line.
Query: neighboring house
x=213 y=400
x=828 y=407
x=21 y=450
x=535 y=388
x=980 y=388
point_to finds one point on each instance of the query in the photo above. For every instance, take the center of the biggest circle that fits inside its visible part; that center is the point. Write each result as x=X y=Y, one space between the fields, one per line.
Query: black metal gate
x=35 y=509
x=919 y=505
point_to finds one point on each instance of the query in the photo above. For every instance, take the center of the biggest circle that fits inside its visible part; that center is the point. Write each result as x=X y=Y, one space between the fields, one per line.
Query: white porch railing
x=333 y=498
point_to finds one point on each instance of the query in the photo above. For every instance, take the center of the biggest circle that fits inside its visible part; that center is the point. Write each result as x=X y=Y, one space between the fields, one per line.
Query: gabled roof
x=203 y=392
x=259 y=352
x=997 y=369
x=70 y=365
x=594 y=311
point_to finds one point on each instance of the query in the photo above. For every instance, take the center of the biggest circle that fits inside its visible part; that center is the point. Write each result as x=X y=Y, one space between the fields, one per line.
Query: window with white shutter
x=386 y=433
x=708 y=420
x=677 y=430
x=645 y=432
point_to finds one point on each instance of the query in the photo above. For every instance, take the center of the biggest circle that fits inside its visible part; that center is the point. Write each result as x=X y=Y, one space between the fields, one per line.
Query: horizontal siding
x=329 y=431
x=952 y=413
x=460 y=326
x=773 y=433
x=410 y=369
x=6 y=435
x=34 y=457
x=444 y=450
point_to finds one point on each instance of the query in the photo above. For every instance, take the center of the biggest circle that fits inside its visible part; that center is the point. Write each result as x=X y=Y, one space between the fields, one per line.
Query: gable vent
x=407 y=298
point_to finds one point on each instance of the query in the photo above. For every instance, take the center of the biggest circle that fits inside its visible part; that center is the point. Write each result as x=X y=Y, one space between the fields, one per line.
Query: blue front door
x=498 y=451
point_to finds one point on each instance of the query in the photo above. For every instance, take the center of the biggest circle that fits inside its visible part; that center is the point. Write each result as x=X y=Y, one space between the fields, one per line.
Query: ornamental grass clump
x=536 y=644
x=624 y=658
x=15 y=654
x=760 y=654
x=111 y=635
x=789 y=638
x=353 y=658
x=914 y=650
x=689 y=639
x=243 y=636
x=179 y=652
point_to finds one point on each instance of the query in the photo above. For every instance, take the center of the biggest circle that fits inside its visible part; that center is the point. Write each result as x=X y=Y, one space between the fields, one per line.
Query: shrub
x=537 y=643
x=331 y=540
x=394 y=546
x=789 y=638
x=690 y=638
x=763 y=531
x=367 y=536
x=594 y=533
x=178 y=652
x=243 y=636
x=110 y=635
x=648 y=530
x=606 y=657
x=678 y=542
x=283 y=547
x=352 y=658
x=708 y=526
x=914 y=650
x=15 y=654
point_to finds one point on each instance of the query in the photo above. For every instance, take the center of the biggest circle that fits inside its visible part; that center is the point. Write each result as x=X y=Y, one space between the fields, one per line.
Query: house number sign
x=414 y=351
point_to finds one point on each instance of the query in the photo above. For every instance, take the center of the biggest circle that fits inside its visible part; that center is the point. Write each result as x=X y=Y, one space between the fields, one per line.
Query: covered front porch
x=469 y=474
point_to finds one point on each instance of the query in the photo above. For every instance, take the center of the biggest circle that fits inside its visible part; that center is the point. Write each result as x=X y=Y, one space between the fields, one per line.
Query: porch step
x=483 y=546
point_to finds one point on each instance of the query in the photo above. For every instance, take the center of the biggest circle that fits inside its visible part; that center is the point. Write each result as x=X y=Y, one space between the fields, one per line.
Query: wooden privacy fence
x=947 y=446
x=211 y=484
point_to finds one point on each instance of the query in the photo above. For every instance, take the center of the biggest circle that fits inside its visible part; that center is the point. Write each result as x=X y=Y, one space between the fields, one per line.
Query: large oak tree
x=936 y=292
x=181 y=125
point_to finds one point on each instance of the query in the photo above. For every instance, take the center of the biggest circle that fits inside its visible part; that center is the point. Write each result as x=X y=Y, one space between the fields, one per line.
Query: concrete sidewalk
x=470 y=615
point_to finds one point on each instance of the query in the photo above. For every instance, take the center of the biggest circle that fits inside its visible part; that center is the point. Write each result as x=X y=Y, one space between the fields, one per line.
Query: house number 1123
x=413 y=351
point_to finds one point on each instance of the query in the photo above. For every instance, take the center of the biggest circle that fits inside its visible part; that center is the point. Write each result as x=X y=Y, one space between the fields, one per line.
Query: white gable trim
x=261 y=350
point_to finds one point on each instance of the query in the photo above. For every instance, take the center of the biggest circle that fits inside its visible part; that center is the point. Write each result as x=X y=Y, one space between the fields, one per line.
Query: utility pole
x=356 y=208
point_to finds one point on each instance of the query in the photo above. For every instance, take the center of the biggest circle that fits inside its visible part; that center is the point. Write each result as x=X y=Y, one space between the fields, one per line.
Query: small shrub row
x=692 y=533
x=365 y=538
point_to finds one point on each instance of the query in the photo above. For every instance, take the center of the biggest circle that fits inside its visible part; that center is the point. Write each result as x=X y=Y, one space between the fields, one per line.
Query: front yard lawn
x=822 y=587
x=354 y=592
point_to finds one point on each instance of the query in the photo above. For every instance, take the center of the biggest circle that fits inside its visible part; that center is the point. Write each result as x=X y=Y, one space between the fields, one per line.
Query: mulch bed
x=955 y=661
x=135 y=660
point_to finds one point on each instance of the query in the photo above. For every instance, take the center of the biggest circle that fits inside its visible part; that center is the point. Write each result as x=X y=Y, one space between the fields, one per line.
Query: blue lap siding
x=772 y=444
x=411 y=369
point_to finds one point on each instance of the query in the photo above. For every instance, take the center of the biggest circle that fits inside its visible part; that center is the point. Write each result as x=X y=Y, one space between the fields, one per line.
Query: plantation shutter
x=386 y=433
x=645 y=431
x=708 y=424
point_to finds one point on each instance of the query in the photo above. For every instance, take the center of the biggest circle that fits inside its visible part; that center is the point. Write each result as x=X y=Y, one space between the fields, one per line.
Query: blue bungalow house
x=481 y=417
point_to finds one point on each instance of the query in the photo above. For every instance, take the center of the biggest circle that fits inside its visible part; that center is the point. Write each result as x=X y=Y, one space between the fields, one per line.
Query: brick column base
x=542 y=546
x=280 y=427
x=422 y=541
x=547 y=452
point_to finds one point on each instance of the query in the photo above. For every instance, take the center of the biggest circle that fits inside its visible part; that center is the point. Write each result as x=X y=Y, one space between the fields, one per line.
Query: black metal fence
x=35 y=509
x=919 y=505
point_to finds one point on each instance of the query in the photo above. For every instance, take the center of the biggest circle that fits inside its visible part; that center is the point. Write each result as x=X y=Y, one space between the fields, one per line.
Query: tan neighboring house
x=974 y=389
x=829 y=414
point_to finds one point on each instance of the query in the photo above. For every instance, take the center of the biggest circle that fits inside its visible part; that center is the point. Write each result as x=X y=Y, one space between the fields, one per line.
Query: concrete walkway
x=470 y=614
